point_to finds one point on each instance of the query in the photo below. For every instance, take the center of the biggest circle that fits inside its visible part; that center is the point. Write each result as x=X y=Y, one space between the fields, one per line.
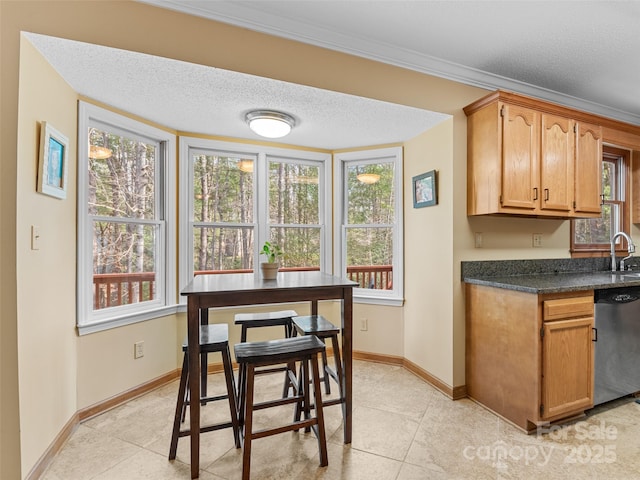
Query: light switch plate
x=35 y=237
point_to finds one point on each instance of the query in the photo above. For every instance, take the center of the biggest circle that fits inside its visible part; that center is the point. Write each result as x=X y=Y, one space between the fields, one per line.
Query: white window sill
x=122 y=320
x=373 y=300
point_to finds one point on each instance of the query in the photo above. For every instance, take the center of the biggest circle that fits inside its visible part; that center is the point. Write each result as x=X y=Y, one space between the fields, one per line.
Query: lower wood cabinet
x=529 y=357
x=567 y=367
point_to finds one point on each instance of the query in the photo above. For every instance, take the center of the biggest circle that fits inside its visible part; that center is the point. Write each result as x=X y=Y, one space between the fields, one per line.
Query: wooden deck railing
x=372 y=276
x=115 y=289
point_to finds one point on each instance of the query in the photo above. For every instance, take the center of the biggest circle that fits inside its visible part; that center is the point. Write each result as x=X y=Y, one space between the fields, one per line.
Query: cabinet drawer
x=561 y=308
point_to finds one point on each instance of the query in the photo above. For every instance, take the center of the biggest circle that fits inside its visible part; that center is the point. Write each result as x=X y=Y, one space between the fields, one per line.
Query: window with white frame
x=221 y=197
x=236 y=196
x=126 y=219
x=368 y=186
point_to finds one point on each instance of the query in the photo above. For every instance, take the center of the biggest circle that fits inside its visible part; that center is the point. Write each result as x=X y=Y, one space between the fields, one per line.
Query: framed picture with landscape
x=425 y=189
x=52 y=162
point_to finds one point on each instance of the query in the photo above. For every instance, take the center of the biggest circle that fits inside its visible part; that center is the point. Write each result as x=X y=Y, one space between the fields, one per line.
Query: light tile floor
x=403 y=429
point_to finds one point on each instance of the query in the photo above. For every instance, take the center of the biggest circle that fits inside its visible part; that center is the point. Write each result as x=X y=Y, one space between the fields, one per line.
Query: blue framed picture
x=52 y=162
x=425 y=189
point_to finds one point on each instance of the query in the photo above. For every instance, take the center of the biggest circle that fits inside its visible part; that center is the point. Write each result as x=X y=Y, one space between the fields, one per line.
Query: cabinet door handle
x=546 y=194
x=535 y=193
x=602 y=199
x=595 y=334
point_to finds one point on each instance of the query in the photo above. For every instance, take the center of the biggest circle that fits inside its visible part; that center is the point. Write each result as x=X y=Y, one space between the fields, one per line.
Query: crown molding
x=252 y=18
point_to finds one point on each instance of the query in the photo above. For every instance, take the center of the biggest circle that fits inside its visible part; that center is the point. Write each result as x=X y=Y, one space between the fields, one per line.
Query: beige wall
x=428 y=336
x=428 y=330
x=106 y=366
x=146 y=29
x=59 y=372
x=46 y=281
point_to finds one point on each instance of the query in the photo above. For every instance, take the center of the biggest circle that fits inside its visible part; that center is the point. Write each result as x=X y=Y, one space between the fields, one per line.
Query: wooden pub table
x=210 y=291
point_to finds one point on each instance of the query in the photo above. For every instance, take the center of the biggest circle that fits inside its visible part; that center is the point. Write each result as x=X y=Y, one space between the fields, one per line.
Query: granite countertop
x=547 y=276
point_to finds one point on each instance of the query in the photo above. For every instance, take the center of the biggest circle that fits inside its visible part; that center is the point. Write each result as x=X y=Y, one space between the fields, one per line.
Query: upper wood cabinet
x=588 y=168
x=556 y=163
x=527 y=157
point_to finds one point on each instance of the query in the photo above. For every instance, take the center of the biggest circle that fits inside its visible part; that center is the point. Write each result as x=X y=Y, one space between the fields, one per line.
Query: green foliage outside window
x=370 y=213
x=121 y=197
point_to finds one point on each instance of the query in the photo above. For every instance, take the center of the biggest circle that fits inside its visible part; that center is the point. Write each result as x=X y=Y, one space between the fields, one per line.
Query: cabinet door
x=520 y=160
x=556 y=163
x=567 y=367
x=588 y=170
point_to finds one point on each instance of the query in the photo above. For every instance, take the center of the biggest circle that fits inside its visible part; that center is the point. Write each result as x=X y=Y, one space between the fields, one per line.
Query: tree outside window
x=121 y=203
x=223 y=212
x=370 y=222
x=237 y=196
x=294 y=212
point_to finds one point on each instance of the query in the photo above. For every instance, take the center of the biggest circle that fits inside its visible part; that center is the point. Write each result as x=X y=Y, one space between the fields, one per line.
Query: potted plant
x=270 y=268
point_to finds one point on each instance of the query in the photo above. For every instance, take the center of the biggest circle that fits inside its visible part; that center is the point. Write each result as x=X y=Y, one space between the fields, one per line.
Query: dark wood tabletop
x=243 y=282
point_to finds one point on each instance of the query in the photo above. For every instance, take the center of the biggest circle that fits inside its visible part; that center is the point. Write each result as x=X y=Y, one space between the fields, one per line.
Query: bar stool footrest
x=270 y=370
x=205 y=400
x=335 y=401
x=286 y=428
x=277 y=403
x=207 y=428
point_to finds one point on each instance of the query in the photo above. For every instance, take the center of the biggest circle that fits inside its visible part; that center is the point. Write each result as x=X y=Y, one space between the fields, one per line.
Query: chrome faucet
x=631 y=248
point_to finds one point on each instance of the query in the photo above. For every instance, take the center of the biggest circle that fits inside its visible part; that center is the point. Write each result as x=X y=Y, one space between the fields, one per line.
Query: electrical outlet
x=478 y=239
x=537 y=239
x=138 y=349
x=364 y=324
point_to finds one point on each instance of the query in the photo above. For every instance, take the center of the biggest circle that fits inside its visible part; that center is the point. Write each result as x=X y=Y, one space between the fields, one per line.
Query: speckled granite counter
x=548 y=276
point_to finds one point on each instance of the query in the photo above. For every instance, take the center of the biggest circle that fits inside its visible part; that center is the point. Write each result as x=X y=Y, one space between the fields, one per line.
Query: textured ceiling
x=198 y=99
x=584 y=54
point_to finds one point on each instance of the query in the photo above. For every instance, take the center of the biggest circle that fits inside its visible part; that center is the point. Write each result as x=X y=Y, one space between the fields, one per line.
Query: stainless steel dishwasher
x=617 y=346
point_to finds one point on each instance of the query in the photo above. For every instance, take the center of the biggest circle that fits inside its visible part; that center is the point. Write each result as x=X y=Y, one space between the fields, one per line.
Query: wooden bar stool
x=265 y=319
x=269 y=319
x=213 y=338
x=260 y=354
x=322 y=328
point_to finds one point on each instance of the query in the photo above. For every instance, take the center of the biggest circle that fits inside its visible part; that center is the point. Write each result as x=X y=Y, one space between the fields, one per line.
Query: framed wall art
x=425 y=189
x=53 y=162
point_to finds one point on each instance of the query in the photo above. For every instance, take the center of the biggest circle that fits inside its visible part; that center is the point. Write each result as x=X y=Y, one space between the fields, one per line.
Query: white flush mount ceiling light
x=269 y=123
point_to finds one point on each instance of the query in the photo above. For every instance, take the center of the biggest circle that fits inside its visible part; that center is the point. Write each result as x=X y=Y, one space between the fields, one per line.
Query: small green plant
x=272 y=251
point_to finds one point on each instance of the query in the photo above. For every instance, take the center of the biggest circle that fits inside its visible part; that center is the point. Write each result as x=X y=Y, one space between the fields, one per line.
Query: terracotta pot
x=269 y=270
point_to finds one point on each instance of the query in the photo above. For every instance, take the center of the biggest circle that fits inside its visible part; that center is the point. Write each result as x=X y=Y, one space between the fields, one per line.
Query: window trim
x=262 y=154
x=610 y=151
x=88 y=320
x=394 y=297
